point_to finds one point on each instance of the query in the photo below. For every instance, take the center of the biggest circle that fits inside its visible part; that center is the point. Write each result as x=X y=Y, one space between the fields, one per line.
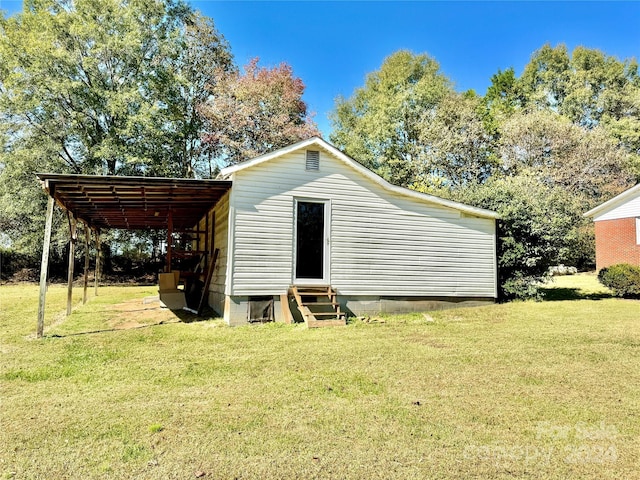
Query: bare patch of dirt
x=134 y=314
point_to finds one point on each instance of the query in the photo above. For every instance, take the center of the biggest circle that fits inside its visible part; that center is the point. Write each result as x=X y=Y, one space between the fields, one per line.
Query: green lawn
x=522 y=390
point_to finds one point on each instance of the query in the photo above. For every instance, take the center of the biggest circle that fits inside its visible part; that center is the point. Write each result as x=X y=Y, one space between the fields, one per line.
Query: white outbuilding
x=306 y=231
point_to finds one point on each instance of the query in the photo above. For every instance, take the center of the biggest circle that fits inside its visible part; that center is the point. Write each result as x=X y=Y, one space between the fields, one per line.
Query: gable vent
x=313 y=160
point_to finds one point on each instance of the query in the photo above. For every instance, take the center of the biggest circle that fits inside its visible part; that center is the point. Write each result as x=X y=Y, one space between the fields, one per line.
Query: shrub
x=536 y=230
x=623 y=279
x=12 y=262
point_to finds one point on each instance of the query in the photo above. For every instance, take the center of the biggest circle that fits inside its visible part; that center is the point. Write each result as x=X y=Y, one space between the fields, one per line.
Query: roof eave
x=612 y=203
x=475 y=211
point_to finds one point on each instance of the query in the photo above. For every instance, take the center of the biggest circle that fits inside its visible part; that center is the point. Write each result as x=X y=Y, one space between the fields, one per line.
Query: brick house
x=617 y=224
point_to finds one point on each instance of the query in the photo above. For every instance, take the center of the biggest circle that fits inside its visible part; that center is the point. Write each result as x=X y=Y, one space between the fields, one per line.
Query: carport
x=129 y=203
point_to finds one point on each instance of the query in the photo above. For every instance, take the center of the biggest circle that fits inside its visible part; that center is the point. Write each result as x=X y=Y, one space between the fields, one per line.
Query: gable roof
x=614 y=202
x=320 y=143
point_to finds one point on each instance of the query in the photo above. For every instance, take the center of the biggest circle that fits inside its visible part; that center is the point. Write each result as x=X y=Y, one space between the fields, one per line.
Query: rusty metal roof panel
x=134 y=203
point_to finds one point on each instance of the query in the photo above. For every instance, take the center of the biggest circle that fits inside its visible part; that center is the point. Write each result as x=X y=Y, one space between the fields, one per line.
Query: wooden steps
x=318 y=305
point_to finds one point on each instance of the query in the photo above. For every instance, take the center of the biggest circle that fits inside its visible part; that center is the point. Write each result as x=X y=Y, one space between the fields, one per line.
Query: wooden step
x=315 y=319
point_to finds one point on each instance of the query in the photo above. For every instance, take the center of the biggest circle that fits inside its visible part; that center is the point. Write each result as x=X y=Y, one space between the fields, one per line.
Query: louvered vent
x=313 y=160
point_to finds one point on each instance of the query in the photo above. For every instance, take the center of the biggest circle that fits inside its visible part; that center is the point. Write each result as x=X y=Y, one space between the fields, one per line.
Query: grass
x=520 y=390
x=575 y=287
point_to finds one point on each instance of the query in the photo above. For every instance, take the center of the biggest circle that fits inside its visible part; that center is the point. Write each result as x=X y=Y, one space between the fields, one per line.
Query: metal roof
x=134 y=203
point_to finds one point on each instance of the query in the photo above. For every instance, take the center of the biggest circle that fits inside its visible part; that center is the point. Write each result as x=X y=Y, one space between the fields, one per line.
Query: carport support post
x=44 y=266
x=87 y=241
x=73 y=225
x=169 y=240
x=98 y=262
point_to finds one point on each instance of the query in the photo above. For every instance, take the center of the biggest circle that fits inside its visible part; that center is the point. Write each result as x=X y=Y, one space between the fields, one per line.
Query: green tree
x=203 y=56
x=586 y=162
x=586 y=165
x=380 y=125
x=98 y=87
x=251 y=113
x=458 y=150
x=504 y=95
x=588 y=87
x=503 y=98
x=101 y=82
x=535 y=230
x=545 y=79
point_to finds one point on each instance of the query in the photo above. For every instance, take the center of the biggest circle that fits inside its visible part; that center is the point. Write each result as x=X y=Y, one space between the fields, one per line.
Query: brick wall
x=616 y=242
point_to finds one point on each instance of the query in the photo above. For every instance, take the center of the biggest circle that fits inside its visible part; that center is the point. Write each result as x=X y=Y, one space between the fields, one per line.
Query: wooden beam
x=287 y=316
x=169 y=240
x=87 y=242
x=73 y=225
x=207 y=282
x=44 y=265
x=98 y=263
x=207 y=247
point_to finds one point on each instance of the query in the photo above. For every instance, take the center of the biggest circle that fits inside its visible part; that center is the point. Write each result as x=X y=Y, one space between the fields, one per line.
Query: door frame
x=326 y=265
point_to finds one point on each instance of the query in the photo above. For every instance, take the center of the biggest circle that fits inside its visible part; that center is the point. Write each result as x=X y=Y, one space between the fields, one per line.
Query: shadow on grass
x=183 y=316
x=106 y=330
x=557 y=294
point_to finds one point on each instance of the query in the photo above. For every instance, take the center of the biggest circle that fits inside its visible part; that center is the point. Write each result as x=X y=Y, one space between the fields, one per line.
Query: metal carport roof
x=134 y=203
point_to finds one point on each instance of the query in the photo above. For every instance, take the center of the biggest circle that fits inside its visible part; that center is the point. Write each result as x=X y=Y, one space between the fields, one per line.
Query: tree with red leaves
x=255 y=112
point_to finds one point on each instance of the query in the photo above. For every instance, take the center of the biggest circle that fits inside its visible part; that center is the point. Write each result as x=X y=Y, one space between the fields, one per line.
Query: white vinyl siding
x=627 y=209
x=221 y=242
x=382 y=243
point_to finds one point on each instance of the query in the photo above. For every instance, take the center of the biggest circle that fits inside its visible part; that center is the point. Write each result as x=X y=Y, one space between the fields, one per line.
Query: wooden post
x=98 y=263
x=206 y=240
x=87 y=241
x=169 y=240
x=73 y=224
x=44 y=265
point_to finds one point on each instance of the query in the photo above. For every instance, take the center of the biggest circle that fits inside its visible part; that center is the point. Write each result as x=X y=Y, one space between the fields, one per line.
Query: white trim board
x=320 y=143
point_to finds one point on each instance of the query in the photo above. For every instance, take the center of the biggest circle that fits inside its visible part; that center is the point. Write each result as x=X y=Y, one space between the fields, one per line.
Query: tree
x=588 y=87
x=380 y=125
x=503 y=98
x=544 y=82
x=585 y=162
x=203 y=56
x=458 y=149
x=98 y=87
x=251 y=113
x=535 y=230
x=102 y=82
x=504 y=92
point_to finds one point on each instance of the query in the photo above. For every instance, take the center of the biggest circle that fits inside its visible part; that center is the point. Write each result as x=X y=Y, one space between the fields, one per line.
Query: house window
x=638 y=231
x=313 y=160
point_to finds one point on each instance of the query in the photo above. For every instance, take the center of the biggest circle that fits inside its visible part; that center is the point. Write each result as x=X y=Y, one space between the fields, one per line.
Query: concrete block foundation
x=236 y=307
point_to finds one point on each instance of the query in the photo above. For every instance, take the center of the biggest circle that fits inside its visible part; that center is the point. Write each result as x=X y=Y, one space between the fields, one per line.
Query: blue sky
x=333 y=45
